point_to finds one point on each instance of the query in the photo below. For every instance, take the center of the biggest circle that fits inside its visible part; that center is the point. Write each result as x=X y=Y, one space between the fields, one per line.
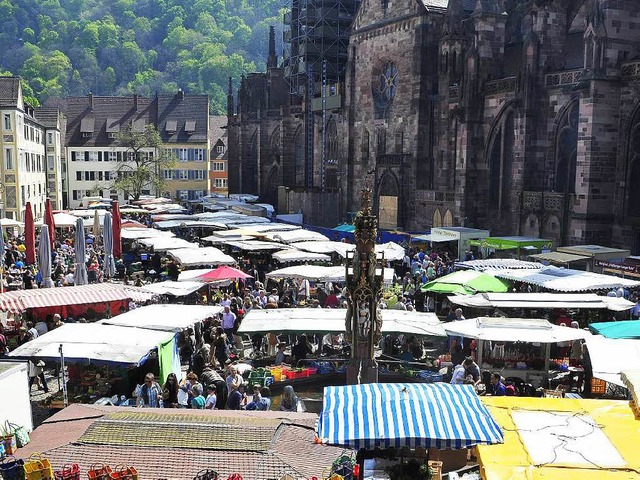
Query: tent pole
x=480 y=352
x=64 y=382
x=547 y=356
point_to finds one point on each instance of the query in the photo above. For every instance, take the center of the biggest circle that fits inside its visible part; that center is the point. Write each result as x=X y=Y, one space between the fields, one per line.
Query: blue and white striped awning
x=396 y=415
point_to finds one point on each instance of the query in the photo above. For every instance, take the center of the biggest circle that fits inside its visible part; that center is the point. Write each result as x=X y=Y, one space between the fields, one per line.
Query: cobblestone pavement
x=40 y=411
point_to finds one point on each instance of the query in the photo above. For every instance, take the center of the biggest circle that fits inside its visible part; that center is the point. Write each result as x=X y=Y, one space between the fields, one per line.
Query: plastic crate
x=598 y=387
x=312 y=371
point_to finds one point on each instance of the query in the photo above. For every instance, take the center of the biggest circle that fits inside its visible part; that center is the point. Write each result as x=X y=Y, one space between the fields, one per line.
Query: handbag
x=124 y=472
x=38 y=467
x=206 y=475
x=22 y=436
x=12 y=468
x=9 y=442
x=100 y=471
x=70 y=471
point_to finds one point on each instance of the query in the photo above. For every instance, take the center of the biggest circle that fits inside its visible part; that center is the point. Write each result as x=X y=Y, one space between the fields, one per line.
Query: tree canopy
x=72 y=47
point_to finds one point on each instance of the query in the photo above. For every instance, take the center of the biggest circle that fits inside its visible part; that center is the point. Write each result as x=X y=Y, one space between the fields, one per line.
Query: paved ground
x=38 y=397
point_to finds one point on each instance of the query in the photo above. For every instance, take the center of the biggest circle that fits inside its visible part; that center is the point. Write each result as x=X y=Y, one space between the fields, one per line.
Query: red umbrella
x=117 y=230
x=223 y=273
x=48 y=219
x=29 y=235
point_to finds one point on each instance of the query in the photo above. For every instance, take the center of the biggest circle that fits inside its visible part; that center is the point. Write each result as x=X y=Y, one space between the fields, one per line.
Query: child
x=210 y=402
x=197 y=402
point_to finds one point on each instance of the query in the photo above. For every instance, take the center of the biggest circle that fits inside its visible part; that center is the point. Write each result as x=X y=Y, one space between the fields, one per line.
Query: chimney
x=181 y=94
x=272 y=60
x=91 y=100
x=135 y=101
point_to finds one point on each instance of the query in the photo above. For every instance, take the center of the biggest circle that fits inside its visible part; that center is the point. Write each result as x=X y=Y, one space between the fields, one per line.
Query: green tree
x=147 y=158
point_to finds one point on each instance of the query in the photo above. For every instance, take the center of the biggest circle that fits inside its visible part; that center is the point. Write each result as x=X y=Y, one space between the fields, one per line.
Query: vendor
x=497 y=387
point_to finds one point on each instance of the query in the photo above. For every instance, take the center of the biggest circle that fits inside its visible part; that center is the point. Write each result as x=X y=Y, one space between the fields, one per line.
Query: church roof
x=440 y=6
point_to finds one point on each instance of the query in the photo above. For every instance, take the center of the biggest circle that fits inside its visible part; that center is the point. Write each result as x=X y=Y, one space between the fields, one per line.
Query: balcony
x=559 y=79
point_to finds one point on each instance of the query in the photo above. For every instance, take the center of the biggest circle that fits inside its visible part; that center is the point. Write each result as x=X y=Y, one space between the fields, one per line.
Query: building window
x=50 y=162
x=365 y=146
x=8 y=159
x=567 y=151
x=218 y=167
x=79 y=176
x=49 y=138
x=7 y=121
x=381 y=141
x=220 y=182
x=220 y=149
x=166 y=174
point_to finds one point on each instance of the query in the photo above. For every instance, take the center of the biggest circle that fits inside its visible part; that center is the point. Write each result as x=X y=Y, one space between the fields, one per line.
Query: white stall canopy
x=610 y=357
x=201 y=256
x=168 y=318
x=299 y=235
x=542 y=300
x=160 y=244
x=325 y=320
x=530 y=330
x=138 y=233
x=566 y=279
x=285 y=256
x=319 y=273
x=254 y=245
x=177 y=289
x=94 y=342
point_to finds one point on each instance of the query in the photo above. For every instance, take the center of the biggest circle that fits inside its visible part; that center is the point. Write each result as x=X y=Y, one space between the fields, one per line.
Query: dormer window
x=171 y=127
x=113 y=128
x=87 y=126
x=190 y=126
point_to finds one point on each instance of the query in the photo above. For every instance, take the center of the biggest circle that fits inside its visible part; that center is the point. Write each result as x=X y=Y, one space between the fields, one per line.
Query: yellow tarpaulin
x=619 y=435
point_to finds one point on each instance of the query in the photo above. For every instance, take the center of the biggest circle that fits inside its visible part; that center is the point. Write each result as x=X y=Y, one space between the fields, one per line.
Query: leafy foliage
x=144 y=171
x=71 y=47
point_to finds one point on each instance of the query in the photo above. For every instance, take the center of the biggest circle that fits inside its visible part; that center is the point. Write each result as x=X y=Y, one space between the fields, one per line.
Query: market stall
x=160 y=244
x=16 y=406
x=455 y=236
x=192 y=257
x=293 y=236
x=596 y=253
x=517 y=347
x=560 y=439
x=295 y=256
x=517 y=246
x=542 y=301
x=332 y=320
x=138 y=233
x=175 y=289
x=611 y=356
x=566 y=280
x=421 y=419
x=102 y=359
x=73 y=301
x=168 y=318
x=465 y=282
x=319 y=273
x=623 y=329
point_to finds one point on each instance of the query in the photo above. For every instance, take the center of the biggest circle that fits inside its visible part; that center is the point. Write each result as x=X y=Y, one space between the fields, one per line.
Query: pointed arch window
x=567 y=150
x=633 y=192
x=365 y=146
x=332 y=155
x=500 y=162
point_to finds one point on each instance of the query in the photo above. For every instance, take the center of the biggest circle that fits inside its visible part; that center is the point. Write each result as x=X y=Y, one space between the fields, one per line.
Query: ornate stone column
x=364 y=275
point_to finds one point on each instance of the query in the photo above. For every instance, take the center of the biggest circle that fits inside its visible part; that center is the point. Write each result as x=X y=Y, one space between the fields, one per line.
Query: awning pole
x=64 y=379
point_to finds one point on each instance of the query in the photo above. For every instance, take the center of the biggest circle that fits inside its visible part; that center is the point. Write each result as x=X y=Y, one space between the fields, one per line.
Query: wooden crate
x=598 y=387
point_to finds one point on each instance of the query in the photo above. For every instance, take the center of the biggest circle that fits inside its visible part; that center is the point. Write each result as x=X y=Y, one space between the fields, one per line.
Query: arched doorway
x=447 y=221
x=388 y=203
x=270 y=190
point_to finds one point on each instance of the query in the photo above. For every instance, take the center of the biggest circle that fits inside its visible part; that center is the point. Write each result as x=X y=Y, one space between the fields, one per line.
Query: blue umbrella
x=107 y=238
x=44 y=257
x=80 y=277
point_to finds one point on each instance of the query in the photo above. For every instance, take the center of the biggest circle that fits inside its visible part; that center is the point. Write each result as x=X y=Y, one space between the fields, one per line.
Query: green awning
x=466 y=282
x=511 y=243
x=622 y=329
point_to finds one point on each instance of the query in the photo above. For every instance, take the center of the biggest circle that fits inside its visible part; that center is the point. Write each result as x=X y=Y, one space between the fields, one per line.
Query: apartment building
x=94 y=153
x=54 y=124
x=22 y=146
x=219 y=172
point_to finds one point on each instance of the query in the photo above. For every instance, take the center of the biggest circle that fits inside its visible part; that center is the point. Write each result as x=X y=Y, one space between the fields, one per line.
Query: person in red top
x=332 y=300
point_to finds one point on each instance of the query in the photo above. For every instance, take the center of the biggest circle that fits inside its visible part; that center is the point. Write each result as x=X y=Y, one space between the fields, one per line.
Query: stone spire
x=272 y=60
x=230 y=103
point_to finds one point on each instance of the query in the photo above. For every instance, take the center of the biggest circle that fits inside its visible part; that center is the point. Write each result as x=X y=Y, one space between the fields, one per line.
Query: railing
x=631 y=69
x=543 y=201
x=557 y=79
x=503 y=85
x=391 y=160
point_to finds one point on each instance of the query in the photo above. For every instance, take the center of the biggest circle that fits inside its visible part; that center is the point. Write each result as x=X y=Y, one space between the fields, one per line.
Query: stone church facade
x=518 y=116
